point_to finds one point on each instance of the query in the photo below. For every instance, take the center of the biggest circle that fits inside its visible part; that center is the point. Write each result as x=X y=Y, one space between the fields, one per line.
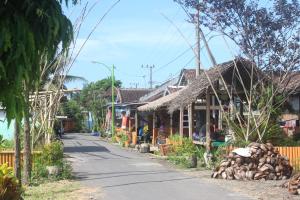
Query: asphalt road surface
x=126 y=175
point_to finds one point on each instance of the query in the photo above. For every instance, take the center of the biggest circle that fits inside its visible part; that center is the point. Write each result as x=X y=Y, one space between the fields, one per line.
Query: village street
x=120 y=174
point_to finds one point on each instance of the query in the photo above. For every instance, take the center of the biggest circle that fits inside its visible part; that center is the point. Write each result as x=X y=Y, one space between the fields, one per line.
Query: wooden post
x=208 y=140
x=153 y=128
x=136 y=121
x=50 y=117
x=213 y=99
x=171 y=124
x=129 y=124
x=181 y=122
x=191 y=120
x=220 y=118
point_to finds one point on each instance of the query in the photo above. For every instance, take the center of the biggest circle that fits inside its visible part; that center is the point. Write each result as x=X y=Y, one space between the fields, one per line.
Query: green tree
x=73 y=110
x=31 y=31
x=93 y=98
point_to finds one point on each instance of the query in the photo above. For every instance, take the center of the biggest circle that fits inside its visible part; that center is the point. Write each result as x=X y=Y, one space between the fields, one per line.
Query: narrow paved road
x=125 y=175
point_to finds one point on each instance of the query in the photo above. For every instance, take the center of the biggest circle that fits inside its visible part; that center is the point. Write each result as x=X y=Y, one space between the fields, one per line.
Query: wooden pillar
x=171 y=124
x=208 y=139
x=153 y=128
x=129 y=124
x=191 y=120
x=220 y=118
x=181 y=122
x=213 y=99
x=136 y=122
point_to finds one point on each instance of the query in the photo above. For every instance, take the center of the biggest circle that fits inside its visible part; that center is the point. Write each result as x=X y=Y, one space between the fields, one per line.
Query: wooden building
x=161 y=123
x=192 y=106
x=126 y=102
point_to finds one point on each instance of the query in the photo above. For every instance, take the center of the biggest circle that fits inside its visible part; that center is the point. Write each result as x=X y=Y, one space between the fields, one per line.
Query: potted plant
x=124 y=140
x=52 y=156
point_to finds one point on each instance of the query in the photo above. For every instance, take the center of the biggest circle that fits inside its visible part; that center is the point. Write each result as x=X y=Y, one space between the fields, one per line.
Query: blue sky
x=135 y=33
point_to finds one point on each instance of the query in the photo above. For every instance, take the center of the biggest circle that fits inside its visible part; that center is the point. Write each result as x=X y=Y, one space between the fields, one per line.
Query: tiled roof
x=158 y=92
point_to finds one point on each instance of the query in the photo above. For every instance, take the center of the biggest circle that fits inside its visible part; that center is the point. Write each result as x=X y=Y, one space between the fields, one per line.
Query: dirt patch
x=88 y=194
x=260 y=190
x=62 y=190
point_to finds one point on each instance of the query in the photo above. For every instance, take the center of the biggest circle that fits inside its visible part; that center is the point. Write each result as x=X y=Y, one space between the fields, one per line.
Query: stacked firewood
x=263 y=162
x=294 y=184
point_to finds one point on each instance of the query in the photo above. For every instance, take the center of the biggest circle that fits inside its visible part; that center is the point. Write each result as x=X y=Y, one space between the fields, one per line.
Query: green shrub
x=114 y=139
x=52 y=155
x=9 y=185
x=182 y=151
x=6 y=144
x=186 y=148
x=124 y=138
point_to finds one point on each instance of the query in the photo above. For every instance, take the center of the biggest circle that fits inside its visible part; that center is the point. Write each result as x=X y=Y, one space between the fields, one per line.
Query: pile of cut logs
x=294 y=184
x=263 y=162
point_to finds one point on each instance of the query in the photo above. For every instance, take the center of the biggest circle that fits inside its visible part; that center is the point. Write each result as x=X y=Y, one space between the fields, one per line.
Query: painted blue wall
x=6 y=131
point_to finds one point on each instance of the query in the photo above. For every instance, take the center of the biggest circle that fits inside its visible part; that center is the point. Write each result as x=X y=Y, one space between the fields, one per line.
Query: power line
x=189 y=61
x=150 y=67
x=166 y=32
x=170 y=47
x=131 y=75
x=173 y=60
x=181 y=54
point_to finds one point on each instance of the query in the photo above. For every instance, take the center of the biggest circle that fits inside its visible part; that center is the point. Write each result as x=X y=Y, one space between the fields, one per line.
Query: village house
x=186 y=110
x=155 y=114
x=126 y=102
x=291 y=112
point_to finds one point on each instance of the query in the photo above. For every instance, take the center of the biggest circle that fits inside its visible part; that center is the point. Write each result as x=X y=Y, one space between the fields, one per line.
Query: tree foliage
x=267 y=32
x=73 y=110
x=31 y=30
x=93 y=97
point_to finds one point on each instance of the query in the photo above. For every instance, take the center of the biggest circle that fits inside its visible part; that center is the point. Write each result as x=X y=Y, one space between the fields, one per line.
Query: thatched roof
x=131 y=95
x=290 y=84
x=199 y=86
x=173 y=89
x=159 y=103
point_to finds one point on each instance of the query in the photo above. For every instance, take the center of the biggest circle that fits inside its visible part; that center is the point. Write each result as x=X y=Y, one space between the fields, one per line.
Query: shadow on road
x=145 y=182
x=99 y=176
x=85 y=149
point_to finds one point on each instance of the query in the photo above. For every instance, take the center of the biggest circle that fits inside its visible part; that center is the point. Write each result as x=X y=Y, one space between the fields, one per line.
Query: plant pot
x=145 y=148
x=52 y=170
x=168 y=141
x=192 y=160
x=134 y=138
x=126 y=143
x=118 y=139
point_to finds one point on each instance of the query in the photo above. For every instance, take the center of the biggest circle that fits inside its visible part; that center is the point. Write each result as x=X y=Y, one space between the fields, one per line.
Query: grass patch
x=60 y=190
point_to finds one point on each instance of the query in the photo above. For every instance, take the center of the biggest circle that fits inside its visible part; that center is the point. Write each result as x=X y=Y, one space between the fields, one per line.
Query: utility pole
x=197 y=48
x=135 y=85
x=150 y=67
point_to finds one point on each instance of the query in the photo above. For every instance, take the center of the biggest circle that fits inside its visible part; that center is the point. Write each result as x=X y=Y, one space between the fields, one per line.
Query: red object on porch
x=124 y=122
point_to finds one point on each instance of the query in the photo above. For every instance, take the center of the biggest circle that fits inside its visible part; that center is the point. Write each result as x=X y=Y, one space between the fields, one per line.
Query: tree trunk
x=17 y=164
x=27 y=148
